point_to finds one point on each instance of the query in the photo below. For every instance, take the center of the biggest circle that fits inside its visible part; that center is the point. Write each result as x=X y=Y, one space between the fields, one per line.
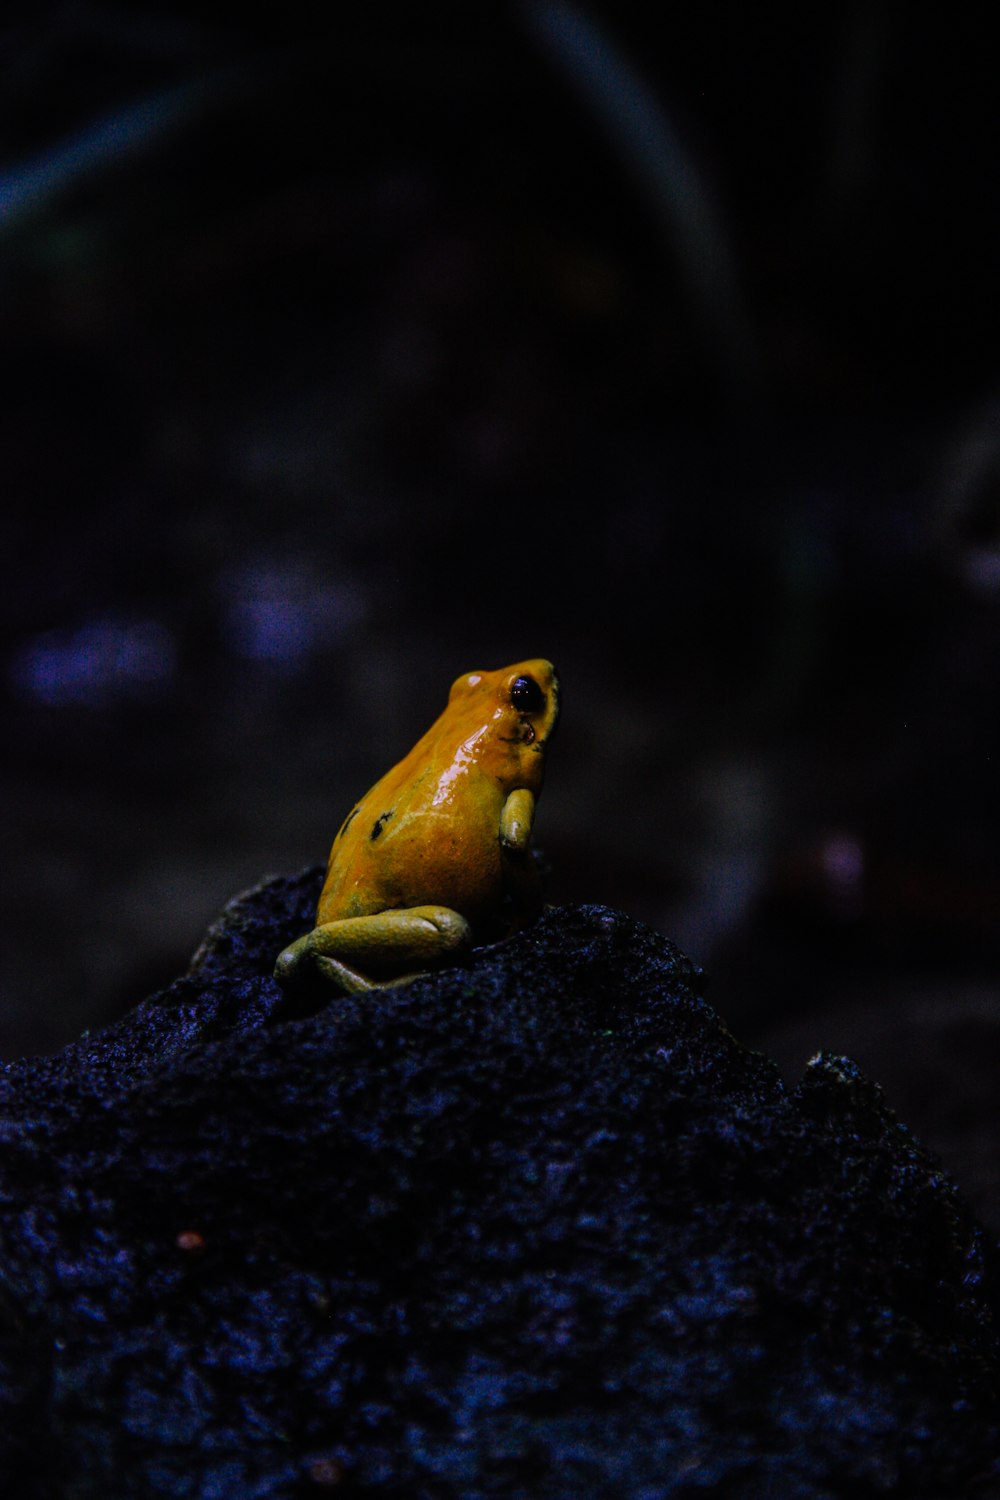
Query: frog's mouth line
x=529 y=741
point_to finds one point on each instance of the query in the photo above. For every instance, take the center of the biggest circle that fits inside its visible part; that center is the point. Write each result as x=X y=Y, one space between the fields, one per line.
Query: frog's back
x=426 y=833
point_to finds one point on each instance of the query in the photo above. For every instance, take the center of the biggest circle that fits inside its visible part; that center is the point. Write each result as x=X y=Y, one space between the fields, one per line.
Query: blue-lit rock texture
x=538 y=1226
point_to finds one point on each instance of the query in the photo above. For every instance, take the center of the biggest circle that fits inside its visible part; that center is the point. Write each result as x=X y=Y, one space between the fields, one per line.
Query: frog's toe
x=290 y=959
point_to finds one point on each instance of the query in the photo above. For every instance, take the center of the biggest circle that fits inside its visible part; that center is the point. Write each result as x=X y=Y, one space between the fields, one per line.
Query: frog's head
x=515 y=711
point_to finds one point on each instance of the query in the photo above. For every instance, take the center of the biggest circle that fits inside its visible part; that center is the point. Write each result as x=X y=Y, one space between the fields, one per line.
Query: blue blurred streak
x=29 y=186
x=673 y=185
x=104 y=659
x=281 y=614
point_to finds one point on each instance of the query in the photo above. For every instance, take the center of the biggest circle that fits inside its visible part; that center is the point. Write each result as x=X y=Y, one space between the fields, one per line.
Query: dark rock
x=536 y=1226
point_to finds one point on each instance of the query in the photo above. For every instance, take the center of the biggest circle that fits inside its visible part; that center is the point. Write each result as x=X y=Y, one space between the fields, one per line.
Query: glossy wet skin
x=438 y=853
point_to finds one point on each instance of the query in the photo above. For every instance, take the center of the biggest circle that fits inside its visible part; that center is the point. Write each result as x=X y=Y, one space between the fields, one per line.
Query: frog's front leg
x=520 y=876
x=516 y=818
x=398 y=943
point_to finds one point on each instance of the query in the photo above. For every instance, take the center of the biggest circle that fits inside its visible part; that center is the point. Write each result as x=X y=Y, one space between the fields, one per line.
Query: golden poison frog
x=437 y=856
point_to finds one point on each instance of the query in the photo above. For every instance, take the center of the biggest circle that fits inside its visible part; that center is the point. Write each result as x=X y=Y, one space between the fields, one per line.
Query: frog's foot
x=388 y=947
x=341 y=976
x=300 y=962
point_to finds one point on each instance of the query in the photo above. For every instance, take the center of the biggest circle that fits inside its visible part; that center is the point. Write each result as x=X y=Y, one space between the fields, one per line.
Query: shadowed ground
x=536 y=1225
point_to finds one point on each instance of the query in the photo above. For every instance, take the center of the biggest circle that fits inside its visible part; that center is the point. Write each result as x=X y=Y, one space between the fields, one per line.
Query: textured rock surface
x=539 y=1226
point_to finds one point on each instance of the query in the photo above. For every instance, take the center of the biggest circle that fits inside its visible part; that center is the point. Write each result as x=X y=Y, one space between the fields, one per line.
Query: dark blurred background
x=343 y=356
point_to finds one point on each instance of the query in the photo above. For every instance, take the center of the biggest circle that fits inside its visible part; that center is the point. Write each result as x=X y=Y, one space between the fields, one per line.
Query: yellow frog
x=438 y=854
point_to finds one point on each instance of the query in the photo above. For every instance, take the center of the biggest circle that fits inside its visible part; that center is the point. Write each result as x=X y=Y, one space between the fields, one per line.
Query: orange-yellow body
x=438 y=853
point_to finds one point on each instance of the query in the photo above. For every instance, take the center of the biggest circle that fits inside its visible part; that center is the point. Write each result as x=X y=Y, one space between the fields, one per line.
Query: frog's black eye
x=526 y=695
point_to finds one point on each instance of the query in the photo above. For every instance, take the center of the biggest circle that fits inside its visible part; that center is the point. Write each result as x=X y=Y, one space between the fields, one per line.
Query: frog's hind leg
x=386 y=947
x=387 y=942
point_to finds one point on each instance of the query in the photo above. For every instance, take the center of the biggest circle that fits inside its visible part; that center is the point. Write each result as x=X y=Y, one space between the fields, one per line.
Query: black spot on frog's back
x=380 y=823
